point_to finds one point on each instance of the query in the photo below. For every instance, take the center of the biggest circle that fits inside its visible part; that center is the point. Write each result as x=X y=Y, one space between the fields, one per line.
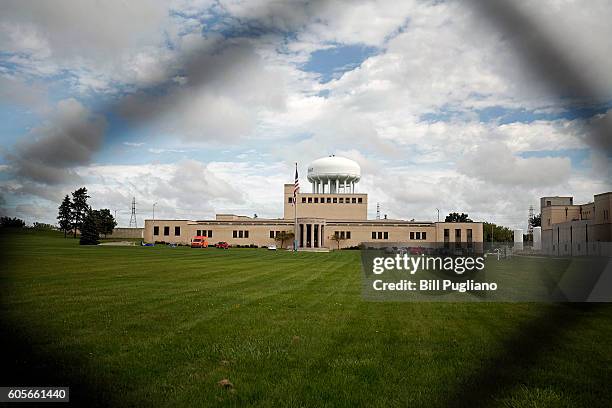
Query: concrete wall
x=127 y=233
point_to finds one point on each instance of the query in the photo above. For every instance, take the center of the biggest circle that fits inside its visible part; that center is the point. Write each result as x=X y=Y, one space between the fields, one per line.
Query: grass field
x=162 y=326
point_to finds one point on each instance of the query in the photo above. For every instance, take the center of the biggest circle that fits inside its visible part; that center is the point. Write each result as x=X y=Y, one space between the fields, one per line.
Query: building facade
x=570 y=229
x=332 y=210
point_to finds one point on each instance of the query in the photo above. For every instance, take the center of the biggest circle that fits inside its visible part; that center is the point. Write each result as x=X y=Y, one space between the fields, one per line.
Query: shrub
x=7 y=222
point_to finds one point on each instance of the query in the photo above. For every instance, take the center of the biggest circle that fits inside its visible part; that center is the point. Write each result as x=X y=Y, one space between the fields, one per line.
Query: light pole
x=154 y=204
x=438 y=210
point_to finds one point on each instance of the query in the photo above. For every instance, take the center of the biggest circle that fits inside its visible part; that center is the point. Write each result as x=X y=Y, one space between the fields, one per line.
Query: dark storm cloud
x=47 y=154
x=545 y=54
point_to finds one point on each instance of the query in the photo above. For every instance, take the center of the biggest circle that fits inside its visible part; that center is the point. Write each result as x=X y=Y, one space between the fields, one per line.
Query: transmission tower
x=133 y=223
x=378 y=211
x=530 y=223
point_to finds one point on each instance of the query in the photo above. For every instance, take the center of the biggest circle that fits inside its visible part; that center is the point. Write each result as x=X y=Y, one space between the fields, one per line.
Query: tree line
x=75 y=214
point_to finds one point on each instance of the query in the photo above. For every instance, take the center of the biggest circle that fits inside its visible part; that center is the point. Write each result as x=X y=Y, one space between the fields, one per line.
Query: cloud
x=495 y=163
x=48 y=153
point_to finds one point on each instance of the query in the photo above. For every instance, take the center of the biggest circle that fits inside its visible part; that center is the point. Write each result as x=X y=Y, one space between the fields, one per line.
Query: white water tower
x=334 y=175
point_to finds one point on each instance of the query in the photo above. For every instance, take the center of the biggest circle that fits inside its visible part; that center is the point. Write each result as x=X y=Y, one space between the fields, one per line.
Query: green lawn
x=162 y=326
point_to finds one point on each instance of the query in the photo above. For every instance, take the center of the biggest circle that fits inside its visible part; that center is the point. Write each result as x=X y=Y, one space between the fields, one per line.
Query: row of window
x=418 y=235
x=274 y=234
x=204 y=233
x=329 y=200
x=380 y=235
x=468 y=233
x=343 y=234
x=240 y=234
x=177 y=231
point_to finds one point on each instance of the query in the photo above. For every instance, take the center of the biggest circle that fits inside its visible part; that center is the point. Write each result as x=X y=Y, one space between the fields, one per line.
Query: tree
x=41 y=226
x=338 y=238
x=80 y=208
x=89 y=230
x=456 y=217
x=64 y=216
x=500 y=233
x=536 y=221
x=283 y=236
x=106 y=221
x=7 y=222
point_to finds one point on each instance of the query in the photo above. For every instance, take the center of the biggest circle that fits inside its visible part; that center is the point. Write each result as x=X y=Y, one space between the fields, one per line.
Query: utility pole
x=438 y=210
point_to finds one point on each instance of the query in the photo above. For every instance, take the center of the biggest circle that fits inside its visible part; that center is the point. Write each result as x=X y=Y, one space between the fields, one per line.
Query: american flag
x=296 y=185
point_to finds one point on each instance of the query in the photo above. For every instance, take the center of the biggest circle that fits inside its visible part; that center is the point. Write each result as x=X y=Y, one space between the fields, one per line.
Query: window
x=423 y=235
x=373 y=235
x=359 y=200
x=290 y=200
x=271 y=234
x=348 y=234
x=235 y=235
x=469 y=235
x=240 y=234
x=309 y=200
x=316 y=200
x=379 y=235
x=166 y=231
x=322 y=200
x=246 y=234
x=156 y=230
x=328 y=200
x=457 y=235
x=548 y=203
x=386 y=235
x=446 y=234
x=198 y=233
x=411 y=234
x=347 y=200
x=177 y=231
x=335 y=200
x=303 y=199
x=209 y=233
x=418 y=235
x=342 y=235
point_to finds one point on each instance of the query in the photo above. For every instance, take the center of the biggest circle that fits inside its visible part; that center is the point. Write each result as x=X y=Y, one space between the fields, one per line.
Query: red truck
x=199 y=242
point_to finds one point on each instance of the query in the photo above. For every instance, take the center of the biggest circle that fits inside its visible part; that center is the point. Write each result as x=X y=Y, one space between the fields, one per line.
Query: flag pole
x=295 y=238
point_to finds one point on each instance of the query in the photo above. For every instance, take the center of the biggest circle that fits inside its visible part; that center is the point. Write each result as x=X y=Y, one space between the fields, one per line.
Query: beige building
x=576 y=229
x=333 y=208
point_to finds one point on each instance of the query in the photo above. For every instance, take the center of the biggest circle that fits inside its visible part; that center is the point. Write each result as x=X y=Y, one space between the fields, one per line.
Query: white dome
x=334 y=168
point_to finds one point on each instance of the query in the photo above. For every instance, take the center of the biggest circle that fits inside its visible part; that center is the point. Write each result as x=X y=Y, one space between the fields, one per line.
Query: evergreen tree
x=89 y=230
x=64 y=216
x=106 y=221
x=80 y=208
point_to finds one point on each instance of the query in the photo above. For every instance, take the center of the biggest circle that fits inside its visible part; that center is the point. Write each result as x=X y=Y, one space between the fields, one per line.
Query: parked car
x=222 y=245
x=272 y=247
x=199 y=242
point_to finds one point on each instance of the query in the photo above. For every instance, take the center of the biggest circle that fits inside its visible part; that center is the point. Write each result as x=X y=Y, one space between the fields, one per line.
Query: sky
x=203 y=107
